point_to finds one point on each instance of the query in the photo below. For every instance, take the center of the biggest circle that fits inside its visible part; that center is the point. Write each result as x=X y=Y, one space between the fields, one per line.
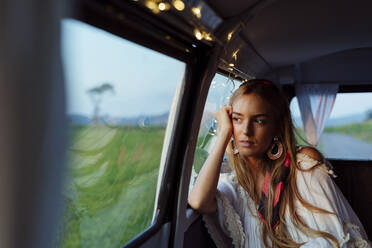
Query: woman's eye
x=236 y=119
x=260 y=121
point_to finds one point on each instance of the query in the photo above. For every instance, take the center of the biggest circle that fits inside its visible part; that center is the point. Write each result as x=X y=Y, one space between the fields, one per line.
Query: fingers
x=224 y=110
x=228 y=110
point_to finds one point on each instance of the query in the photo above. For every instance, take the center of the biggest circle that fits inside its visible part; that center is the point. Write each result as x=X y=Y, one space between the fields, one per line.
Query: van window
x=348 y=131
x=119 y=96
x=219 y=94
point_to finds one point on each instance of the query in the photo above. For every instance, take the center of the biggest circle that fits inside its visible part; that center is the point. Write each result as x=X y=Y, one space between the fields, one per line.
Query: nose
x=248 y=128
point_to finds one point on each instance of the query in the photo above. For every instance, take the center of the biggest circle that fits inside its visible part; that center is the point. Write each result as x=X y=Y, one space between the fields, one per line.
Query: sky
x=144 y=80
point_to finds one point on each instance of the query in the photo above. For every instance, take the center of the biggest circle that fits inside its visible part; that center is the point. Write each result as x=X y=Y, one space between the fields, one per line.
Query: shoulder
x=308 y=158
x=312 y=153
x=313 y=169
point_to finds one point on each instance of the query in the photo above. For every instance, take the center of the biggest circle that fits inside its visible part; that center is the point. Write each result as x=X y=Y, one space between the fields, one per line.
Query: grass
x=110 y=193
x=362 y=131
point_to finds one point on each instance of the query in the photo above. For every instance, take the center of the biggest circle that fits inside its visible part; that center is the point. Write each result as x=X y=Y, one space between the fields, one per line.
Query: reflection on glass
x=348 y=132
x=119 y=99
x=219 y=94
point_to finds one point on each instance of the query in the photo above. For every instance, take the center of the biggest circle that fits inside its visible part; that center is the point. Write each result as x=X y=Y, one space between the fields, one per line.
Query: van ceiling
x=289 y=32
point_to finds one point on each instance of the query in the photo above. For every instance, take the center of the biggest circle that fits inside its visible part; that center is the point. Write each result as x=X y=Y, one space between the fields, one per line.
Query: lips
x=246 y=143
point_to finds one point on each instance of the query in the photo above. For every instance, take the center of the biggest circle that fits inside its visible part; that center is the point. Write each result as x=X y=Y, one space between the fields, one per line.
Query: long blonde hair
x=279 y=237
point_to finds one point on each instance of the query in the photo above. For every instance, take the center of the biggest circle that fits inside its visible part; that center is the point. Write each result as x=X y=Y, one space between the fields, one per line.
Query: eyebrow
x=258 y=115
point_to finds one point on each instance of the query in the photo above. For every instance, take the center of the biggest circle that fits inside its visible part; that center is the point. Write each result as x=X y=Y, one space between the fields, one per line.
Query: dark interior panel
x=197 y=236
x=354 y=180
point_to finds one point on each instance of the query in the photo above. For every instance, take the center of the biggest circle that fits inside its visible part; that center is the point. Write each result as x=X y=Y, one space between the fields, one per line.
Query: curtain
x=316 y=103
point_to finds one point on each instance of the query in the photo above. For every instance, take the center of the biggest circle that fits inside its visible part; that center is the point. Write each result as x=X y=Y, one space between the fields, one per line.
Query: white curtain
x=316 y=103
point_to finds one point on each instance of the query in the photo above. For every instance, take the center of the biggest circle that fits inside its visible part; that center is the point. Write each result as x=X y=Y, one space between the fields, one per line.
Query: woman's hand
x=223 y=117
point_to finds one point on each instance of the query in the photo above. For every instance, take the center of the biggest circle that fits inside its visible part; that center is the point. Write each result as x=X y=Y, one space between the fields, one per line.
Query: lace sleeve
x=225 y=226
x=318 y=189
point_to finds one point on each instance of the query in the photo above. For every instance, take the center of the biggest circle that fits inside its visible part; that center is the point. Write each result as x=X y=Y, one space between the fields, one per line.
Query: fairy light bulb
x=198 y=34
x=235 y=54
x=152 y=5
x=231 y=64
x=207 y=36
x=197 y=11
x=163 y=6
x=179 y=5
x=229 y=36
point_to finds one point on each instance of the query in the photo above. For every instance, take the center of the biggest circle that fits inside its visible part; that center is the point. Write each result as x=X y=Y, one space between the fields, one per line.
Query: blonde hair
x=279 y=237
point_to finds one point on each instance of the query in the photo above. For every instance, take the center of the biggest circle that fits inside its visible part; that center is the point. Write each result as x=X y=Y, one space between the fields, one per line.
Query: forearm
x=202 y=197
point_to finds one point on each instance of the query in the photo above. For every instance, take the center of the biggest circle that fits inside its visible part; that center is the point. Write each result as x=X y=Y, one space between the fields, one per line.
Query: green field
x=362 y=131
x=110 y=191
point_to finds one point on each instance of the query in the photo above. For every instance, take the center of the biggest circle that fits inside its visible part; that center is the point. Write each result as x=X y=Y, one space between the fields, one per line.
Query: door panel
x=354 y=180
x=196 y=234
x=150 y=239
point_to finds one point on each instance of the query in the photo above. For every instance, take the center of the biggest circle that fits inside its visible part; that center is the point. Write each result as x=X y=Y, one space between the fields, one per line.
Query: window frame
x=138 y=27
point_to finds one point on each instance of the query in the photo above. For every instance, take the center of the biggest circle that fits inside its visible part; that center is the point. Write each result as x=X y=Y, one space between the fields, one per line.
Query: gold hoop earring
x=276 y=150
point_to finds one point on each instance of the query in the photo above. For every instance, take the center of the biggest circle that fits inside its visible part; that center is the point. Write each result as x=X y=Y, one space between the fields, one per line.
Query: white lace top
x=236 y=222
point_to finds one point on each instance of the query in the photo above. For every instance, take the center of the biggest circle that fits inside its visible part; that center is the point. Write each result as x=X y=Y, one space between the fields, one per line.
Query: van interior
x=295 y=44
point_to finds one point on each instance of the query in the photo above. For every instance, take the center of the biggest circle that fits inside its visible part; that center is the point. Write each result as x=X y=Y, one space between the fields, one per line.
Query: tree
x=369 y=114
x=96 y=95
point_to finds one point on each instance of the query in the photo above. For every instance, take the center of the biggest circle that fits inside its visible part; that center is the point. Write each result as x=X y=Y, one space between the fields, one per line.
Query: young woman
x=277 y=195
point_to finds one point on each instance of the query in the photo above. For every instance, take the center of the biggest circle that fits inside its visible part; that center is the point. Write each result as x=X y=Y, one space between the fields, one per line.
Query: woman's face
x=253 y=125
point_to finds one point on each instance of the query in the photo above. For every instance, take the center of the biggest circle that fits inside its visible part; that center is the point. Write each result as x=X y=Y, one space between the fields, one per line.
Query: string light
x=179 y=5
x=187 y=50
x=156 y=6
x=207 y=36
x=153 y=6
x=197 y=11
x=235 y=54
x=231 y=64
x=164 y=6
x=229 y=36
x=198 y=34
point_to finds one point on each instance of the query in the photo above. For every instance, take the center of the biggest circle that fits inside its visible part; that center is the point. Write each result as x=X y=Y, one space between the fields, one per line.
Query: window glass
x=119 y=96
x=348 y=132
x=219 y=94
